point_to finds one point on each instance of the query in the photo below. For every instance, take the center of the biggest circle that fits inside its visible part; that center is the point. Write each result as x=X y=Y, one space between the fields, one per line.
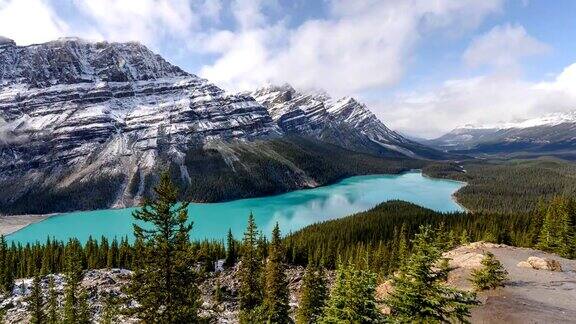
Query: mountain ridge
x=549 y=134
x=101 y=120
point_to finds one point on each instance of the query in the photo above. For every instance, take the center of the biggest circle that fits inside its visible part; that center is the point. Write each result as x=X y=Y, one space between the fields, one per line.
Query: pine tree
x=557 y=232
x=250 y=292
x=36 y=302
x=491 y=275
x=53 y=307
x=164 y=284
x=352 y=299
x=403 y=251
x=112 y=258
x=230 y=250
x=7 y=277
x=419 y=291
x=313 y=295
x=74 y=277
x=464 y=239
x=83 y=311
x=110 y=310
x=276 y=303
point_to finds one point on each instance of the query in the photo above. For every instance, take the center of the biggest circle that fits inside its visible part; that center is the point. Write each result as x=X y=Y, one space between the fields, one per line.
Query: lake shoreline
x=10 y=224
x=352 y=199
x=454 y=198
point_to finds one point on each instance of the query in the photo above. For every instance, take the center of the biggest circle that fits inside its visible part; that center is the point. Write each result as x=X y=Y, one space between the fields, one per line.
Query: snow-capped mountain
x=554 y=132
x=73 y=111
x=87 y=125
x=345 y=122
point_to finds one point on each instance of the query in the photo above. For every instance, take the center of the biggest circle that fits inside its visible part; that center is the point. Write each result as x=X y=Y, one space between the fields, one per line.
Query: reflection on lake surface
x=292 y=210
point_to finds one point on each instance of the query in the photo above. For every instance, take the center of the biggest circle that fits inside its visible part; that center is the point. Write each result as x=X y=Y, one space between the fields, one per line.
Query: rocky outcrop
x=528 y=294
x=540 y=264
x=98 y=283
x=104 y=282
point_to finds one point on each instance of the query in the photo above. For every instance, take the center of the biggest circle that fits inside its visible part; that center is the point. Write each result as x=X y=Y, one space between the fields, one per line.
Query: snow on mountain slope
x=73 y=111
x=549 y=133
x=345 y=122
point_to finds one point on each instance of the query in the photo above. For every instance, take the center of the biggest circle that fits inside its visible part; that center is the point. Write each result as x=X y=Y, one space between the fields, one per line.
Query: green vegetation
x=352 y=298
x=74 y=311
x=419 y=292
x=381 y=235
x=251 y=290
x=491 y=275
x=558 y=231
x=164 y=285
x=509 y=186
x=269 y=167
x=276 y=305
x=313 y=295
x=365 y=249
x=35 y=302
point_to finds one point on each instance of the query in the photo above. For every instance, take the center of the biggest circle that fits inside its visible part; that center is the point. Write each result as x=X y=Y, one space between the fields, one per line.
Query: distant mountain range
x=87 y=125
x=549 y=134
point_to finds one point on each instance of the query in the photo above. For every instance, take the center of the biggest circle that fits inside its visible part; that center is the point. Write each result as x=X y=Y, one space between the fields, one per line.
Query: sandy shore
x=11 y=224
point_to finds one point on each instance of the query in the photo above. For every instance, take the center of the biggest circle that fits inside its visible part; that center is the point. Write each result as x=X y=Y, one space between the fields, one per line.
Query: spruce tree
x=53 y=307
x=7 y=277
x=230 y=250
x=110 y=311
x=83 y=312
x=74 y=277
x=250 y=271
x=403 y=251
x=352 y=299
x=464 y=239
x=36 y=302
x=491 y=275
x=313 y=295
x=164 y=283
x=276 y=303
x=419 y=291
x=557 y=232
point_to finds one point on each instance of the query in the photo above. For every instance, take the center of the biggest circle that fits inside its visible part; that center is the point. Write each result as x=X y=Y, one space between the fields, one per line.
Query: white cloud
x=502 y=47
x=362 y=44
x=30 y=21
x=485 y=100
x=147 y=21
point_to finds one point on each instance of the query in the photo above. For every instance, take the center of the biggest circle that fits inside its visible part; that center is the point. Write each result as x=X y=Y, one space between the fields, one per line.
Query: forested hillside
x=507 y=186
x=221 y=171
x=396 y=242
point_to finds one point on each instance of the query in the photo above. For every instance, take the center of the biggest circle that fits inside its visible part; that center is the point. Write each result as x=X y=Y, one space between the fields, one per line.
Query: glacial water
x=292 y=210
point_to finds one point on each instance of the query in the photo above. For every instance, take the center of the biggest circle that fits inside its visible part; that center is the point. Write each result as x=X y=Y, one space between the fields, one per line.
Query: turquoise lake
x=292 y=210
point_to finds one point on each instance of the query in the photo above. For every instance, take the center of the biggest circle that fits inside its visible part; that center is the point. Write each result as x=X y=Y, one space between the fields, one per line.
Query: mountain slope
x=548 y=134
x=90 y=125
x=345 y=122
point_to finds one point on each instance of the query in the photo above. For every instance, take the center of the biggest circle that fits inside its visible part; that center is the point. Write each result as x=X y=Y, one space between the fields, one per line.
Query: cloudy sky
x=423 y=66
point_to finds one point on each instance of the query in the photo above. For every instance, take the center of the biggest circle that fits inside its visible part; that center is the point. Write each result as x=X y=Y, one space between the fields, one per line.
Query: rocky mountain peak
x=74 y=111
x=74 y=60
x=6 y=41
x=346 y=122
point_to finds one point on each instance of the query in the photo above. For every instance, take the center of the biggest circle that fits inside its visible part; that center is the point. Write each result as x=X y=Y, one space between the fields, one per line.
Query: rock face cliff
x=73 y=111
x=345 y=122
x=87 y=125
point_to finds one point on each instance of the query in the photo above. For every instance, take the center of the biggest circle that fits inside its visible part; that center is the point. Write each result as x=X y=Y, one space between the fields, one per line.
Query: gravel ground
x=530 y=295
